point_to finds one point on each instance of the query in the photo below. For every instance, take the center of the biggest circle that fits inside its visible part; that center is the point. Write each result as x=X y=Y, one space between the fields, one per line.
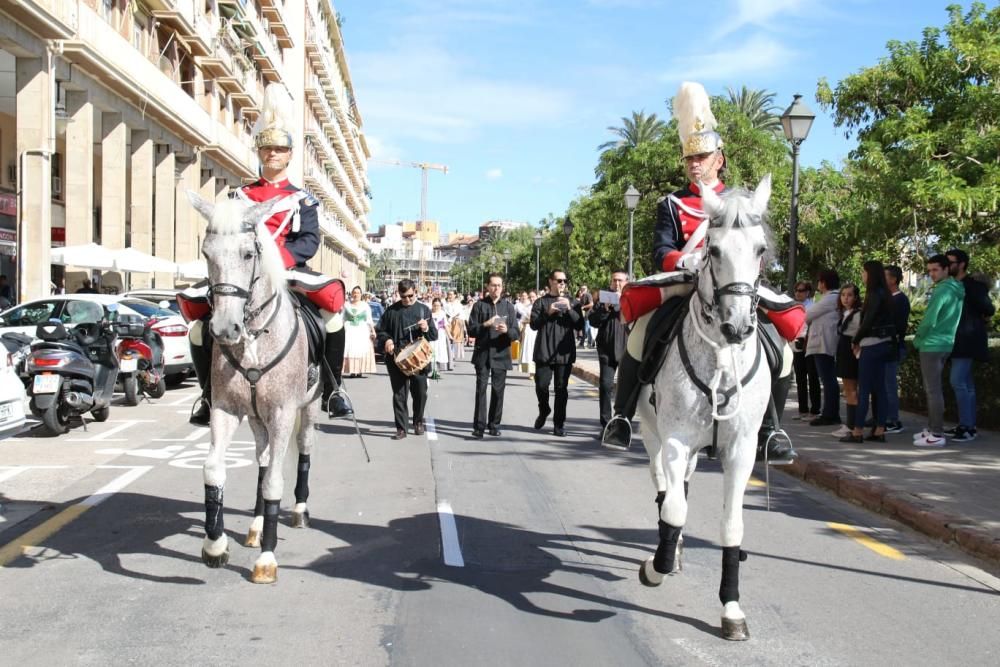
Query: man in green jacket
x=934 y=339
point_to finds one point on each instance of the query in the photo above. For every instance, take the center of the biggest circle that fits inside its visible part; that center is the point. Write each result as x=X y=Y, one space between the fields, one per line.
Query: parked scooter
x=18 y=347
x=140 y=359
x=72 y=372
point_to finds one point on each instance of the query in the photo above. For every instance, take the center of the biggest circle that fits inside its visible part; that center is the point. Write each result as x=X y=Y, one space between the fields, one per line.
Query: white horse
x=714 y=386
x=260 y=370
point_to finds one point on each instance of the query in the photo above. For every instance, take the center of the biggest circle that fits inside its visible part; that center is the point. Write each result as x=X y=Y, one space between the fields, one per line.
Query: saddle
x=314 y=326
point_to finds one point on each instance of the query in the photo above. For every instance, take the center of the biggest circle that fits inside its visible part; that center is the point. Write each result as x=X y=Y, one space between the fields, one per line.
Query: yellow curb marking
x=22 y=545
x=866 y=540
x=756 y=482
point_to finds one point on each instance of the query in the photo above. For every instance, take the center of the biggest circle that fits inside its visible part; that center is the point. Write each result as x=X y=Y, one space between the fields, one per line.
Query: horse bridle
x=236 y=291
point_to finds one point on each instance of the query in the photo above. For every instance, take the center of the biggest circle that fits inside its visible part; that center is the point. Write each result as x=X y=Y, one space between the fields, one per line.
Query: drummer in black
x=402 y=323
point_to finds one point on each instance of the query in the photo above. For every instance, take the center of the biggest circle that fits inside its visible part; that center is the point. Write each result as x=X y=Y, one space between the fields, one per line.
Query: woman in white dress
x=528 y=341
x=359 y=337
x=439 y=319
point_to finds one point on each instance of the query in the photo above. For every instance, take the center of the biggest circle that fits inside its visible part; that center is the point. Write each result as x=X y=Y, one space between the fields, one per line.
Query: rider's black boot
x=779 y=448
x=335 y=399
x=618 y=432
x=201 y=358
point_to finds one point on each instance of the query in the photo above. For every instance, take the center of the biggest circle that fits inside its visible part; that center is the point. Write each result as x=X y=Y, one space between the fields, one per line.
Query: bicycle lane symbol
x=239 y=454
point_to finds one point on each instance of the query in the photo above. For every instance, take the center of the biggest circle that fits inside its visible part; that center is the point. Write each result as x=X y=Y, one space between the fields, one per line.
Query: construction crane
x=423 y=167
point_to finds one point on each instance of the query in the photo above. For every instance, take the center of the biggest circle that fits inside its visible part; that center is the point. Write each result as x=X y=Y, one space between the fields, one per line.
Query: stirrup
x=777 y=438
x=339 y=406
x=617 y=433
x=201 y=412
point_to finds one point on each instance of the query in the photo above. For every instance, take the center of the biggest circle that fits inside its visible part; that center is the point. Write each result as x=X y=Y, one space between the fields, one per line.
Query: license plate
x=46 y=384
x=6 y=411
x=128 y=365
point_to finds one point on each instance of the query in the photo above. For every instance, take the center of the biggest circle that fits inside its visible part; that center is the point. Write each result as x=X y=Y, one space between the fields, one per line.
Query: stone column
x=142 y=201
x=165 y=185
x=114 y=138
x=79 y=181
x=187 y=219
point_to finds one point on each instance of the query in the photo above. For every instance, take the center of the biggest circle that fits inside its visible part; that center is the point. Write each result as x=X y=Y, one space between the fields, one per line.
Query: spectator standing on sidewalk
x=583 y=296
x=611 y=336
x=874 y=344
x=847 y=362
x=970 y=343
x=823 y=318
x=901 y=317
x=555 y=318
x=806 y=378
x=935 y=339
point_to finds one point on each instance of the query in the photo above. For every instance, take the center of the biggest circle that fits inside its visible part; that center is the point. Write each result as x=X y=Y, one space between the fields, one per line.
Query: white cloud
x=494 y=174
x=762 y=13
x=757 y=54
x=425 y=93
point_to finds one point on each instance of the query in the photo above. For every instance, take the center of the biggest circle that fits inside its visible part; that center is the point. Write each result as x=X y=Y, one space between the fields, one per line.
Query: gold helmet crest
x=274 y=125
x=695 y=121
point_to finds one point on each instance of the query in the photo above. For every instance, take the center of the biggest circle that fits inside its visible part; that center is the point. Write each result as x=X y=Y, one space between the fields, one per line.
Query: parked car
x=157 y=296
x=65 y=308
x=12 y=398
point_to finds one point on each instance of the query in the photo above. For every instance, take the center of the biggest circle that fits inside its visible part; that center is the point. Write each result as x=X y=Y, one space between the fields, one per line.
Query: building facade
x=111 y=110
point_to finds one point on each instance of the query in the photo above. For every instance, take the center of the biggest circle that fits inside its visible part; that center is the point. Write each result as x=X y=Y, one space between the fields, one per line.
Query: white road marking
x=115 y=485
x=111 y=431
x=430 y=431
x=163 y=453
x=14 y=471
x=184 y=398
x=196 y=434
x=449 y=535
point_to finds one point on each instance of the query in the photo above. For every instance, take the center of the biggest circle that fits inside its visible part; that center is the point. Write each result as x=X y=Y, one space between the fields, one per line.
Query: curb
x=907 y=508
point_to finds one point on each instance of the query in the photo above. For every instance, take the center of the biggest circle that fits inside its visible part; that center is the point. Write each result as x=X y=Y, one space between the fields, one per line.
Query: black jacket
x=492 y=347
x=611 y=333
x=877 y=320
x=970 y=338
x=396 y=324
x=555 y=342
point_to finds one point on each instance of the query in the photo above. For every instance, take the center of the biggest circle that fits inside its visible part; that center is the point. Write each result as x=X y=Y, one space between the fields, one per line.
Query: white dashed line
x=449 y=535
x=430 y=431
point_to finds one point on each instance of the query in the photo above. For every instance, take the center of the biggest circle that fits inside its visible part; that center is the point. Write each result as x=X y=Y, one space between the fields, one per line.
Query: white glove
x=690 y=262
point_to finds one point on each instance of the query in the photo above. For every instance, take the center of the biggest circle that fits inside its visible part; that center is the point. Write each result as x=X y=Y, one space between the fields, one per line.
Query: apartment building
x=111 y=110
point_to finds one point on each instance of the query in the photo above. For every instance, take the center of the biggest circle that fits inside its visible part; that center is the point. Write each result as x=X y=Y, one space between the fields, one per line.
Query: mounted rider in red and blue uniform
x=678 y=239
x=295 y=228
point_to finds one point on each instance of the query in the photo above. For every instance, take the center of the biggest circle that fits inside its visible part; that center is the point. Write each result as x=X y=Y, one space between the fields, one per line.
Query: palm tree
x=636 y=130
x=759 y=107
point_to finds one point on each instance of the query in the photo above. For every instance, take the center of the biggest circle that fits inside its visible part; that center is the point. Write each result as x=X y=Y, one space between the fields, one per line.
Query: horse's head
x=244 y=264
x=735 y=245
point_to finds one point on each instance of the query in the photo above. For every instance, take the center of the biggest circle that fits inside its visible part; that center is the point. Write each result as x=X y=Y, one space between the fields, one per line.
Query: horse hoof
x=265 y=574
x=735 y=630
x=300 y=519
x=253 y=539
x=649 y=576
x=215 y=561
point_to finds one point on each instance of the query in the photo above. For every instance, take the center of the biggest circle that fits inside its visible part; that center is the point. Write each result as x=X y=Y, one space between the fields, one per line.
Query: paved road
x=548 y=534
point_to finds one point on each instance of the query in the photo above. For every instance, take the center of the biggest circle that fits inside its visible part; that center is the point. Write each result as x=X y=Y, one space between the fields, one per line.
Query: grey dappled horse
x=260 y=370
x=713 y=377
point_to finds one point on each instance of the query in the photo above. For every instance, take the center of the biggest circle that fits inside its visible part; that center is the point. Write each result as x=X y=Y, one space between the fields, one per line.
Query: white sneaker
x=920 y=436
x=842 y=431
x=931 y=440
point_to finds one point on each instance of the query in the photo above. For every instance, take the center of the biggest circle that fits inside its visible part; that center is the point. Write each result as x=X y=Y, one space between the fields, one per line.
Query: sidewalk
x=951 y=494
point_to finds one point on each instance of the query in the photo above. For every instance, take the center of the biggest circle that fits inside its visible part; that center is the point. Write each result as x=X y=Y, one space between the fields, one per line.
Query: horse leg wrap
x=660 y=497
x=258 y=508
x=302 y=479
x=214 y=525
x=686 y=486
x=663 y=560
x=729 y=589
x=270 y=538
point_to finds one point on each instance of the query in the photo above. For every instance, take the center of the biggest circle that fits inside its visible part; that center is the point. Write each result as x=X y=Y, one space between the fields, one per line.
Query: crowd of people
x=856 y=333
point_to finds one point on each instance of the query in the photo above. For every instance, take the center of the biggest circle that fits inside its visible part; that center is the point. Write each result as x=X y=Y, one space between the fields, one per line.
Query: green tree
x=638 y=129
x=758 y=106
x=927 y=121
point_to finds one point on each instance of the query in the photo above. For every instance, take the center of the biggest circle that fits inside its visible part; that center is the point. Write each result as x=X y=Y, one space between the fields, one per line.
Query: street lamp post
x=796 y=122
x=506 y=264
x=631 y=201
x=538 y=252
x=568 y=231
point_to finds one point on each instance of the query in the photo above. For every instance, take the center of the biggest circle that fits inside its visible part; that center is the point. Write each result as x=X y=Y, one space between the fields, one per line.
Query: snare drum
x=414 y=357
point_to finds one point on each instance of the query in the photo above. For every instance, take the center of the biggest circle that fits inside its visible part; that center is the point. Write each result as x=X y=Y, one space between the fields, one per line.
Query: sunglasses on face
x=559 y=280
x=407 y=296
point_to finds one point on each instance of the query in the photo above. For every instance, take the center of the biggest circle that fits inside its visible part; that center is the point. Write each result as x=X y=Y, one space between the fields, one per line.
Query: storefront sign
x=8 y=204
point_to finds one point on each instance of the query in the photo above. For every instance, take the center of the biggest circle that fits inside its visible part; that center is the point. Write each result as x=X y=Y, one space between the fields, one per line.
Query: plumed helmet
x=695 y=122
x=274 y=125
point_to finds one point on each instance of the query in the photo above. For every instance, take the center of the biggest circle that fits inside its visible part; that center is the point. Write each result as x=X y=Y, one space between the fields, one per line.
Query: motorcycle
x=141 y=363
x=72 y=372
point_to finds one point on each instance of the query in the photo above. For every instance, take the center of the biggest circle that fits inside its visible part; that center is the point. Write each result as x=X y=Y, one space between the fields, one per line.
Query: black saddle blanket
x=314 y=326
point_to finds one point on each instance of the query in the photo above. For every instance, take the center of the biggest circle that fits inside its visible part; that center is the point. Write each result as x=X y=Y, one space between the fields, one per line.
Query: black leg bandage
x=214 y=525
x=302 y=479
x=660 y=497
x=258 y=508
x=729 y=589
x=686 y=485
x=269 y=540
x=663 y=560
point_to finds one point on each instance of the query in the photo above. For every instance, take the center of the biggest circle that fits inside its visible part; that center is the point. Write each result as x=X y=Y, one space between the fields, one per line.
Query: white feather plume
x=692 y=110
x=276 y=109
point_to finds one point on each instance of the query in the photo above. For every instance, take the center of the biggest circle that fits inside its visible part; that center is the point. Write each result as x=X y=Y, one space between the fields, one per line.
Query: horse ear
x=203 y=206
x=262 y=211
x=711 y=203
x=762 y=194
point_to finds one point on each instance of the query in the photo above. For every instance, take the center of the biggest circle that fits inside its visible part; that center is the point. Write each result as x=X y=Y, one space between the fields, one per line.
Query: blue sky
x=515 y=95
